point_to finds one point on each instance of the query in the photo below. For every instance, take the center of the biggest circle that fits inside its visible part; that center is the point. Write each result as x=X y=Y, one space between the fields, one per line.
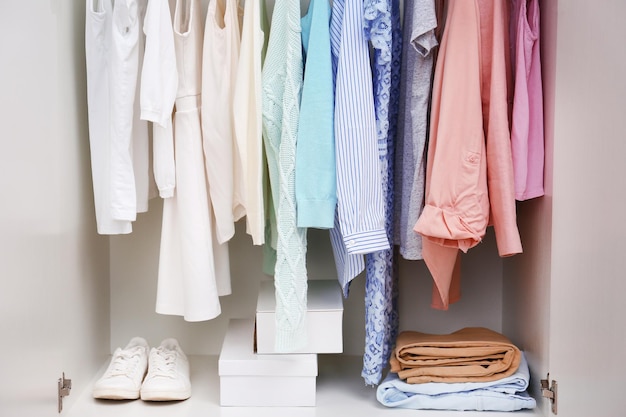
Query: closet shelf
x=340 y=391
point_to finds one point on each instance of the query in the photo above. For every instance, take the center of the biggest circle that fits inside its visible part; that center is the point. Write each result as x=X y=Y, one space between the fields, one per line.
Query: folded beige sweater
x=472 y=354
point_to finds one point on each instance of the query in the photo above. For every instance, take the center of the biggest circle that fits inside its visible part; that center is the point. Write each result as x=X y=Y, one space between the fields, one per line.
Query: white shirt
x=248 y=119
x=159 y=84
x=220 y=57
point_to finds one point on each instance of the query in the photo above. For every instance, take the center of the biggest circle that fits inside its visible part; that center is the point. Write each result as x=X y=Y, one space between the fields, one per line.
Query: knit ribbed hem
x=292 y=339
x=319 y=214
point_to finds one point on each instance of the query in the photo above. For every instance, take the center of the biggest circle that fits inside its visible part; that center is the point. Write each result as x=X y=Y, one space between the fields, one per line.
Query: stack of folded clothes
x=471 y=369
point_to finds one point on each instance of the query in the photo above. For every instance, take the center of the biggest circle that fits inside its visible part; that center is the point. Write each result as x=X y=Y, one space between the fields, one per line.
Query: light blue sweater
x=316 y=182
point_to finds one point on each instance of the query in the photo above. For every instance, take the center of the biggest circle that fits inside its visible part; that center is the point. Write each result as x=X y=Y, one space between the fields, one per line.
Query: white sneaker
x=122 y=379
x=168 y=374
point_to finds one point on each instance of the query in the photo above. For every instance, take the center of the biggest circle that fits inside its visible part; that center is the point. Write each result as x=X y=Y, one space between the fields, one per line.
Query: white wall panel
x=588 y=327
x=54 y=269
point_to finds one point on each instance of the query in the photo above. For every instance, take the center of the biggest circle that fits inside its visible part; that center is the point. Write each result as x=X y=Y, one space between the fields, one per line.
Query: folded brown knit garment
x=472 y=354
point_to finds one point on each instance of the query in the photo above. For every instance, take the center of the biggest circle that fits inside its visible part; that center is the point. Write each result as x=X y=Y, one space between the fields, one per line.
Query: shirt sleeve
x=163 y=159
x=316 y=182
x=159 y=77
x=360 y=201
x=425 y=22
x=159 y=84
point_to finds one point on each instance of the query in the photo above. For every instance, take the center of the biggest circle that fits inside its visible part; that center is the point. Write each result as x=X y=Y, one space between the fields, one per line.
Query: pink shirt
x=527 y=123
x=469 y=173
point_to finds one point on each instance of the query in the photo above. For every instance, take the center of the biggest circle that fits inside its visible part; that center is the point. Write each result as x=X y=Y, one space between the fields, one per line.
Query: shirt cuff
x=166 y=192
x=366 y=242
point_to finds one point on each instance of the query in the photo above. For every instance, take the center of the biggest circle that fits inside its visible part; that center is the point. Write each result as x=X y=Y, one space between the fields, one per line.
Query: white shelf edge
x=340 y=391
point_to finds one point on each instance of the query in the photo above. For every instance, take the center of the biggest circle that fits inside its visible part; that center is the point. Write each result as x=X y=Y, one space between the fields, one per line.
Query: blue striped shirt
x=360 y=224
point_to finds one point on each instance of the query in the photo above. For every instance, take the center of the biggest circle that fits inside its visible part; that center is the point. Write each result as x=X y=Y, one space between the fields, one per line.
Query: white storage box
x=252 y=380
x=324 y=318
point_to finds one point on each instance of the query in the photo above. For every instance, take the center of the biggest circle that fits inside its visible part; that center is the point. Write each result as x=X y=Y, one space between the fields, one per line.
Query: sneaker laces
x=163 y=363
x=124 y=362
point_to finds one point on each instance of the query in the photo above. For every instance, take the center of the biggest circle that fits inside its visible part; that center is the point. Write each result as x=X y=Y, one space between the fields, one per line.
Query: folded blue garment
x=506 y=394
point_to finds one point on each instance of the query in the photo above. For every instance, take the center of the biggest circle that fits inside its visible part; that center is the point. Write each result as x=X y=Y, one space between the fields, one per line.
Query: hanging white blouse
x=248 y=119
x=219 y=66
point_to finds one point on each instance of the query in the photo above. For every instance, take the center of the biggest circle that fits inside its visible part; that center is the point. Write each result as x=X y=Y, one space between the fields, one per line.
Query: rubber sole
x=165 y=395
x=115 y=394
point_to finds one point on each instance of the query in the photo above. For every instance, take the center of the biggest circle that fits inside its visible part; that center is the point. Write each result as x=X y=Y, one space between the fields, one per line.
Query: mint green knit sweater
x=282 y=84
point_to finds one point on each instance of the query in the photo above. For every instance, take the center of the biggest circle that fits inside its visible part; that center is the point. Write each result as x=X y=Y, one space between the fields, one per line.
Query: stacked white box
x=253 y=380
x=324 y=318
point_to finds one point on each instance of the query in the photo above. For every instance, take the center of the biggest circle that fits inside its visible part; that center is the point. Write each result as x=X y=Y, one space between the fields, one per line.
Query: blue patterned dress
x=382 y=28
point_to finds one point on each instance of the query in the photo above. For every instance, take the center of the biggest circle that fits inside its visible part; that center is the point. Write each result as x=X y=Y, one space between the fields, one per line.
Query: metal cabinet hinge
x=63 y=386
x=550 y=392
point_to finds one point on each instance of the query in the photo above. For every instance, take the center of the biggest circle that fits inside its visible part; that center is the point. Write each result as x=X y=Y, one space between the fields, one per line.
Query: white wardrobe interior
x=70 y=296
x=133 y=268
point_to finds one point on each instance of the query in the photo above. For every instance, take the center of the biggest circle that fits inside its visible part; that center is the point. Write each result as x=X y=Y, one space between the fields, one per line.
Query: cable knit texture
x=282 y=84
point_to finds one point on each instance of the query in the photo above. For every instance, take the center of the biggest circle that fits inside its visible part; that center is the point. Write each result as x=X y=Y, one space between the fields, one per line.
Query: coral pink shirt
x=469 y=173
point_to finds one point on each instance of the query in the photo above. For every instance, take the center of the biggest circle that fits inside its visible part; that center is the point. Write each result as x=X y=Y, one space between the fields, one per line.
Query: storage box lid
x=322 y=295
x=239 y=358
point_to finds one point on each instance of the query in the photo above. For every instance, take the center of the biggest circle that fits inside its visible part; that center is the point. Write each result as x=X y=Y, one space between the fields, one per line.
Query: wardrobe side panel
x=588 y=330
x=54 y=270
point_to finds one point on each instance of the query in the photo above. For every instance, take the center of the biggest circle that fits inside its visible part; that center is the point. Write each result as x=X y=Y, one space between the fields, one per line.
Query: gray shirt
x=420 y=21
